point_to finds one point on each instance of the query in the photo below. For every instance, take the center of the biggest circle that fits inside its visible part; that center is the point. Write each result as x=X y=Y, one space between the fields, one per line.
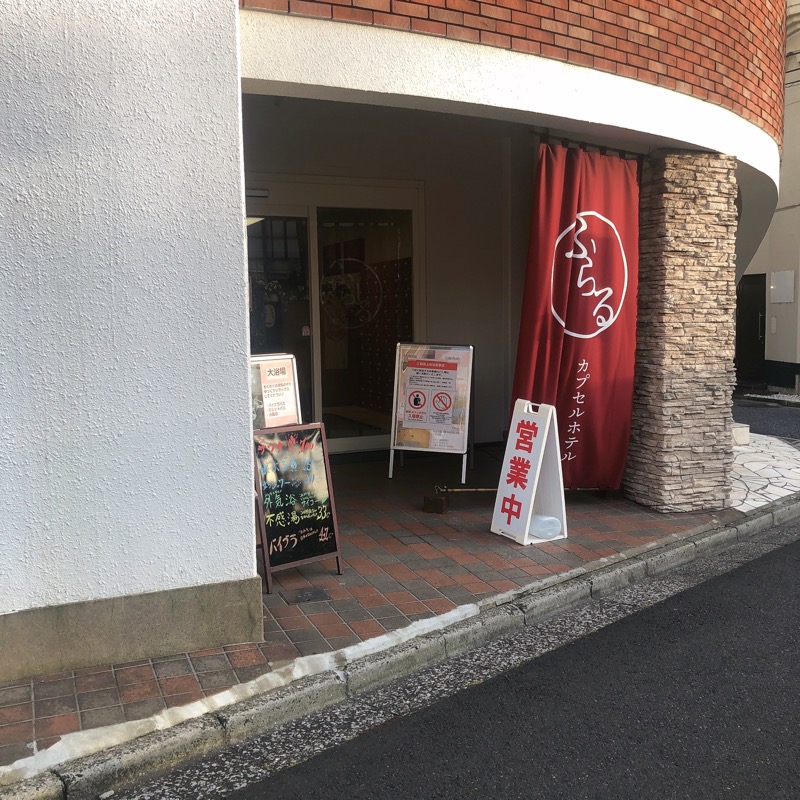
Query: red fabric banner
x=577 y=335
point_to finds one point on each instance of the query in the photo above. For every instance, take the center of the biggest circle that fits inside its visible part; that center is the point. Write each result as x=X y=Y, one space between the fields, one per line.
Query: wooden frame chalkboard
x=295 y=511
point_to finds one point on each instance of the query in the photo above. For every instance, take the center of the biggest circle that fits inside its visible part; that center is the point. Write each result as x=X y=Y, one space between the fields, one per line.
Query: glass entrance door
x=333 y=269
x=280 y=309
x=365 y=266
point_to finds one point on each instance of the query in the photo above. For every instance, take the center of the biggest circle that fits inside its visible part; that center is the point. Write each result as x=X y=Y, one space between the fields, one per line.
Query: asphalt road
x=684 y=686
x=768 y=419
x=696 y=697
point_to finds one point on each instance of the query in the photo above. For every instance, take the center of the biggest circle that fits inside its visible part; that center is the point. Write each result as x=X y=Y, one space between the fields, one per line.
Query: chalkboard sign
x=296 y=515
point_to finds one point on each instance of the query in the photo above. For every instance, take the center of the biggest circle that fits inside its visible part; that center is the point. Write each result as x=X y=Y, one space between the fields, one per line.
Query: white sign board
x=432 y=387
x=274 y=391
x=530 y=497
x=431 y=397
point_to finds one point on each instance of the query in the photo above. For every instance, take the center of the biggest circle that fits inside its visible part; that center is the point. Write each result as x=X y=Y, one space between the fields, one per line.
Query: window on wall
x=280 y=311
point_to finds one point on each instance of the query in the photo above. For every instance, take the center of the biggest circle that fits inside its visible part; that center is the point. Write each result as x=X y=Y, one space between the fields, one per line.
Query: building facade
x=768 y=311
x=187 y=184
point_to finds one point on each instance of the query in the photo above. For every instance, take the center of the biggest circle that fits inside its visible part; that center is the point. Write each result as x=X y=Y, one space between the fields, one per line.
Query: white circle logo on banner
x=591 y=252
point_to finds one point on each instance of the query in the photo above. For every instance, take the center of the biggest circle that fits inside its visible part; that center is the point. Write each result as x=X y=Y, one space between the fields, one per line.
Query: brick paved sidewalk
x=400 y=564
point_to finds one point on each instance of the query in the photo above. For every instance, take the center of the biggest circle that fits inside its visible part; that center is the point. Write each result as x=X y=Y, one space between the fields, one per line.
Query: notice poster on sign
x=432 y=394
x=530 y=504
x=432 y=386
x=431 y=391
x=274 y=392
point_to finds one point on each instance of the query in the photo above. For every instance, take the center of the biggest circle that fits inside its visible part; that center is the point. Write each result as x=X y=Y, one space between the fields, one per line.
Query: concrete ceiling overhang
x=316 y=59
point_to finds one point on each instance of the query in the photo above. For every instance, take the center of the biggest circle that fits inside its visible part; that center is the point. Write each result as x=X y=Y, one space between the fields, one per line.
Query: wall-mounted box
x=781 y=286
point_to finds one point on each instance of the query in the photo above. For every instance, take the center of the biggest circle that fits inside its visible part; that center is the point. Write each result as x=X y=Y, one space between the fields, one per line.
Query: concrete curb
x=777 y=399
x=91 y=777
x=491 y=623
x=46 y=786
x=383 y=667
x=251 y=717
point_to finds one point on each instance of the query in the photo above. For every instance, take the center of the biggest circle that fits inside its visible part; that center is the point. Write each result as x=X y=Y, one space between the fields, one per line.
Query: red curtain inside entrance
x=578 y=329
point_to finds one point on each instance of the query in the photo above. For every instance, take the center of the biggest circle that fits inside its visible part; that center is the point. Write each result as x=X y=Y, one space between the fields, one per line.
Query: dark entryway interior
x=751 y=298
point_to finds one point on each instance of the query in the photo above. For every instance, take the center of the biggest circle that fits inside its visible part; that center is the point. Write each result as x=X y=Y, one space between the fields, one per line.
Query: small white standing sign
x=530 y=498
x=274 y=390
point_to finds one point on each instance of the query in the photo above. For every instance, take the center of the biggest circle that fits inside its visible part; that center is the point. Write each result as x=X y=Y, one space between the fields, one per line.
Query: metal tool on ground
x=439 y=502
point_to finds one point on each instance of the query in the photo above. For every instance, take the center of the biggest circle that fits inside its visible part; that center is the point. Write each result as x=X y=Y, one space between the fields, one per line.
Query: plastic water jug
x=545 y=527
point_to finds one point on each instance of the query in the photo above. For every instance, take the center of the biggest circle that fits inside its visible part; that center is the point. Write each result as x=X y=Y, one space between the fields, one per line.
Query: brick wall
x=730 y=53
x=681 y=449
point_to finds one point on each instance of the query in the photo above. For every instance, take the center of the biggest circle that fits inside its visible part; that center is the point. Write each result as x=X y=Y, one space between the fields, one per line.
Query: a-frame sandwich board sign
x=530 y=506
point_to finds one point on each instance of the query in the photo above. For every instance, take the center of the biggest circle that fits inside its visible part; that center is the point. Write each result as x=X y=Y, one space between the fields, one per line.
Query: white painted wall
x=125 y=462
x=475 y=247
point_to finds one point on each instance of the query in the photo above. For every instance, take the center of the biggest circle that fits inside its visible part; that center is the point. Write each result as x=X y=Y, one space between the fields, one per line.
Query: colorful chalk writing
x=296 y=509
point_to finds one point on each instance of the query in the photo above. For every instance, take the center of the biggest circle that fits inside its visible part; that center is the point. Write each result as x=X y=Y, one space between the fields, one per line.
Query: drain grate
x=305 y=596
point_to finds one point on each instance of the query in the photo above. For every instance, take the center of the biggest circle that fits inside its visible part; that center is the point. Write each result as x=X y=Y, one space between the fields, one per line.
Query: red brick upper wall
x=729 y=53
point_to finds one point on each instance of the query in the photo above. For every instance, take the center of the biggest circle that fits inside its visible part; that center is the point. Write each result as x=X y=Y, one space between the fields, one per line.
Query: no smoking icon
x=442 y=401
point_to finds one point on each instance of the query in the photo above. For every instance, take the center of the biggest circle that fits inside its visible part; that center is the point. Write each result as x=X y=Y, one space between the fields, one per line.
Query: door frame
x=278 y=194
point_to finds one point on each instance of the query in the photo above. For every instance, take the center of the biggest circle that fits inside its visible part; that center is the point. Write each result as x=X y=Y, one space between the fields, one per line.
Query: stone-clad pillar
x=681 y=450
